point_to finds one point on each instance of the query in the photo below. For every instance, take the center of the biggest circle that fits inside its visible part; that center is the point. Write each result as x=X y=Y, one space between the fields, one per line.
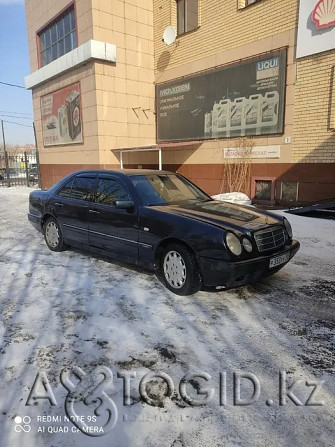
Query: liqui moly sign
x=268 y=68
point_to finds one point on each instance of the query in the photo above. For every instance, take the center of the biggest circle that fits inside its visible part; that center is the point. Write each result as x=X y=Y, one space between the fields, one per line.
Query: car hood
x=223 y=214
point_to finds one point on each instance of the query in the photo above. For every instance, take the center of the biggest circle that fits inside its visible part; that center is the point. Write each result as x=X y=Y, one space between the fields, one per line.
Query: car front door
x=71 y=208
x=111 y=228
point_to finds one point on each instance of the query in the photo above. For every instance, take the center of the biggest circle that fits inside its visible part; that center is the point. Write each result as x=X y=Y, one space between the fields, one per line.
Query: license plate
x=278 y=260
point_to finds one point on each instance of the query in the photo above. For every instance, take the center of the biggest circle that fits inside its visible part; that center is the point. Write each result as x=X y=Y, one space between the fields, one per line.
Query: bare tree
x=236 y=166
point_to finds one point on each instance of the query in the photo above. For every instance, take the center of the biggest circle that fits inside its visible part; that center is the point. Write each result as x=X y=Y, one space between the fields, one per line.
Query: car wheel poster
x=61 y=116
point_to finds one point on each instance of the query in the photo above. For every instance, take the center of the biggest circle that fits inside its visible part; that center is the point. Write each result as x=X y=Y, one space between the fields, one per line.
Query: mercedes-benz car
x=162 y=221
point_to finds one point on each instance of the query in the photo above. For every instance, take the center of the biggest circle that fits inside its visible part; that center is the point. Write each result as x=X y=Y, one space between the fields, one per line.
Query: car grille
x=270 y=238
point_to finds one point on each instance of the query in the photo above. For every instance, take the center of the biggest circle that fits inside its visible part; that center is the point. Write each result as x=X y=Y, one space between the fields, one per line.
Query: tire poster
x=61 y=116
x=244 y=98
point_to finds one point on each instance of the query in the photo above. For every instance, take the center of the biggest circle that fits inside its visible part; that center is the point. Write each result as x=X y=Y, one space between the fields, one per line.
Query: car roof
x=126 y=172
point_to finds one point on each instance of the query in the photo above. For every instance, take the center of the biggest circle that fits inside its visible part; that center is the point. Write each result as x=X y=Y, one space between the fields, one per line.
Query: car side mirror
x=124 y=204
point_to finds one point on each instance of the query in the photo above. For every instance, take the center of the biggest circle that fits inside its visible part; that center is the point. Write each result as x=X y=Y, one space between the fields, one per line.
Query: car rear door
x=71 y=207
x=113 y=229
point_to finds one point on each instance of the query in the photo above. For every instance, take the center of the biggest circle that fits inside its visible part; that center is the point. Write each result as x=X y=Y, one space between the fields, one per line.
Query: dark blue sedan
x=162 y=221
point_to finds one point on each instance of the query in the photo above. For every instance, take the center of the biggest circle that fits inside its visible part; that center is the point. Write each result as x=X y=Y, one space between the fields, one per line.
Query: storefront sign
x=61 y=116
x=316 y=29
x=256 y=152
x=246 y=98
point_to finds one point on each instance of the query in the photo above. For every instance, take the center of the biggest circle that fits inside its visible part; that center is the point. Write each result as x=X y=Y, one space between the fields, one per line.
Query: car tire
x=53 y=235
x=180 y=270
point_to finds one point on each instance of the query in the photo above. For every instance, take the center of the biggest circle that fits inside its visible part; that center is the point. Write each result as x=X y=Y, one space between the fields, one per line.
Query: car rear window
x=66 y=189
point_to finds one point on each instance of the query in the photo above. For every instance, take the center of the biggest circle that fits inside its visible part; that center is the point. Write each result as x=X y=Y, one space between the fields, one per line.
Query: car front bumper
x=232 y=274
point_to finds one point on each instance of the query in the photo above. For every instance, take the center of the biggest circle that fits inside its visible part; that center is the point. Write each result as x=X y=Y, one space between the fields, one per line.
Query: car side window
x=65 y=191
x=110 y=190
x=83 y=188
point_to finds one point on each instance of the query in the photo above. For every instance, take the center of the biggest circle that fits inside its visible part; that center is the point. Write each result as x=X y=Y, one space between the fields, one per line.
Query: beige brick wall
x=223 y=26
x=40 y=12
x=117 y=99
x=228 y=32
x=314 y=141
x=125 y=92
x=88 y=152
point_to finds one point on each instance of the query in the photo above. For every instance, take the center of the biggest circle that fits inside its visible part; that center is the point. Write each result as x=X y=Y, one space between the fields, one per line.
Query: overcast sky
x=15 y=103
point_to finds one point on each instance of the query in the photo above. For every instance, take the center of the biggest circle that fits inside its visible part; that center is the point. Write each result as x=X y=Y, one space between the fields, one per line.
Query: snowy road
x=61 y=310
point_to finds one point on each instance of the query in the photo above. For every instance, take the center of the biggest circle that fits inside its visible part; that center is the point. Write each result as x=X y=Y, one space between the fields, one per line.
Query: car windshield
x=167 y=189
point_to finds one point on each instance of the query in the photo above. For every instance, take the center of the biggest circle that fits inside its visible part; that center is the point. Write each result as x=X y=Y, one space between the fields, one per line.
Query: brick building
x=95 y=57
x=239 y=72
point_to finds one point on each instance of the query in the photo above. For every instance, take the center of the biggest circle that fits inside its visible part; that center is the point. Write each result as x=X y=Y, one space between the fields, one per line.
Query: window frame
x=242 y=4
x=67 y=9
x=91 y=191
x=282 y=190
x=185 y=19
x=253 y=190
x=72 y=181
x=107 y=177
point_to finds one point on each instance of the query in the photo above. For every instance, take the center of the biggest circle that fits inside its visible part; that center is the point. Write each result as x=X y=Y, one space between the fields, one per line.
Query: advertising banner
x=61 y=116
x=316 y=29
x=246 y=98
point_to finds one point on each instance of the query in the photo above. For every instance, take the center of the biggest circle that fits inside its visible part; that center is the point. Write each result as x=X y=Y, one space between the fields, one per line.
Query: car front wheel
x=180 y=271
x=53 y=235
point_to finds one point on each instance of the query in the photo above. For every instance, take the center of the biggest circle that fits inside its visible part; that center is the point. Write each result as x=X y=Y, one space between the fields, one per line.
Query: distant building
x=112 y=84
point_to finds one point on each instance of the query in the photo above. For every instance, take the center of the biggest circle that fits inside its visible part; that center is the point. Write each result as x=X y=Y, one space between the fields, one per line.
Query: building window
x=244 y=3
x=58 y=38
x=263 y=190
x=289 y=191
x=187 y=15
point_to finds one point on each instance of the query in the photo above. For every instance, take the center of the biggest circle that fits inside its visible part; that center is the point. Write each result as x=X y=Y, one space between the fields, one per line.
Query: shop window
x=187 y=15
x=244 y=3
x=289 y=191
x=58 y=38
x=263 y=190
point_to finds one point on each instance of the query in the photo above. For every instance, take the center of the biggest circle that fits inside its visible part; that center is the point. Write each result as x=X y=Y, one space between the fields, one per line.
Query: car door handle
x=94 y=211
x=59 y=204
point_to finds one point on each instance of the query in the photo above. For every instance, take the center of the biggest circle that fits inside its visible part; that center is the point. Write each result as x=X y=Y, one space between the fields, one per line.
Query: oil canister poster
x=246 y=98
x=61 y=116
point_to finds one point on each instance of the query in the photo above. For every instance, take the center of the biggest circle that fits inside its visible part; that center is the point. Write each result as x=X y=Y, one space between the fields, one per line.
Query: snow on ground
x=61 y=310
x=234 y=197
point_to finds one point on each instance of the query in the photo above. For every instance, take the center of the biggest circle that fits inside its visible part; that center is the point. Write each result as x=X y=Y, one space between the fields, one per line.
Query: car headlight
x=288 y=227
x=233 y=243
x=247 y=245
